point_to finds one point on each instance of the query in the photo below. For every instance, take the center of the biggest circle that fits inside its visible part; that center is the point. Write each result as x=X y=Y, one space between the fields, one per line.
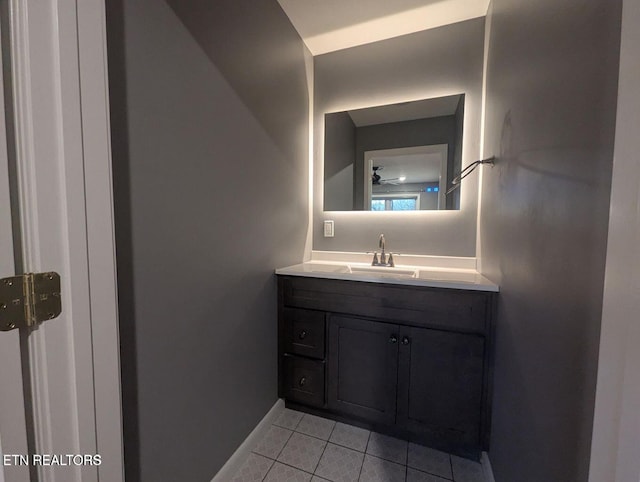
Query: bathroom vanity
x=406 y=355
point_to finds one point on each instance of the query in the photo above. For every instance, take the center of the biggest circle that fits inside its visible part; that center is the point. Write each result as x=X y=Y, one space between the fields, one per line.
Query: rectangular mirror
x=396 y=157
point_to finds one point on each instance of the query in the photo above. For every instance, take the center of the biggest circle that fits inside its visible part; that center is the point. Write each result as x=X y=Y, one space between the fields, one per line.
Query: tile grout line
x=388 y=459
x=276 y=459
x=292 y=428
x=429 y=473
x=273 y=463
x=312 y=436
x=345 y=447
x=336 y=443
x=319 y=438
x=406 y=465
x=327 y=441
x=365 y=454
x=295 y=468
x=263 y=456
x=285 y=444
x=325 y=447
x=432 y=473
x=451 y=465
x=299 y=421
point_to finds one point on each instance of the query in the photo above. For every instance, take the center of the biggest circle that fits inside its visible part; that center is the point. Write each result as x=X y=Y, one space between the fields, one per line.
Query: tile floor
x=305 y=448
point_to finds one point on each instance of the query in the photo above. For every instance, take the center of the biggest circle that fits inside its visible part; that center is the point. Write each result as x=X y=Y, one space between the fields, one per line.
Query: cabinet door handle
x=406 y=340
x=393 y=339
x=302 y=381
x=302 y=335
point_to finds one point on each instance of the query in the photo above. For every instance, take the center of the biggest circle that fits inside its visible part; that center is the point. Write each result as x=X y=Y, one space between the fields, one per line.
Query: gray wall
x=433 y=63
x=551 y=104
x=195 y=139
x=339 y=148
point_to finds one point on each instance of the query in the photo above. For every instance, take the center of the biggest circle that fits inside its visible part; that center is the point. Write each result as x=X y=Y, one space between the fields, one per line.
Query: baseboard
x=486 y=467
x=231 y=467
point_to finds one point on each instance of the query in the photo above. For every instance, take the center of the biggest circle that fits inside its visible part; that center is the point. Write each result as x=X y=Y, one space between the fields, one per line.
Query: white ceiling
x=405 y=111
x=413 y=167
x=415 y=164
x=328 y=25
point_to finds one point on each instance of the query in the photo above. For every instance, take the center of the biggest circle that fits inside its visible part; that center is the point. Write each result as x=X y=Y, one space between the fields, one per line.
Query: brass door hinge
x=29 y=299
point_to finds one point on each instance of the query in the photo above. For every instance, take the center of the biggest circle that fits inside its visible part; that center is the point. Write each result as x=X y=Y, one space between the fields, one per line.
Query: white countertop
x=435 y=277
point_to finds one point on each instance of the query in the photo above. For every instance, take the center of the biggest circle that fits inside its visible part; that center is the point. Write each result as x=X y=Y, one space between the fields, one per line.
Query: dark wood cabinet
x=304 y=380
x=440 y=379
x=363 y=367
x=304 y=332
x=413 y=362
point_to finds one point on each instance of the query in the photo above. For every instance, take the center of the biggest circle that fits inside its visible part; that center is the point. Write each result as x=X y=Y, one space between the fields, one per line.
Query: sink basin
x=325 y=268
x=385 y=271
x=361 y=269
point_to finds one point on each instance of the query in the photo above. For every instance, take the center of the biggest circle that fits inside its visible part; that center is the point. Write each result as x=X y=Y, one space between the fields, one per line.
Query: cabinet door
x=440 y=378
x=362 y=364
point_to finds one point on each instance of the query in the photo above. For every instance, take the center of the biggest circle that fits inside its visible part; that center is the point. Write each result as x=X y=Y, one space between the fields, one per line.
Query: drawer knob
x=393 y=339
x=302 y=335
x=406 y=340
x=302 y=382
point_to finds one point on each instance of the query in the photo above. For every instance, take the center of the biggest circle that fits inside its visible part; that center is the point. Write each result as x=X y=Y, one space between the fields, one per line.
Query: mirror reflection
x=397 y=157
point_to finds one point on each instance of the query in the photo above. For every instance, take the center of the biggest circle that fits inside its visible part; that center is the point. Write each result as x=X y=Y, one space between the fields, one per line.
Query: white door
x=13 y=430
x=64 y=204
x=615 y=447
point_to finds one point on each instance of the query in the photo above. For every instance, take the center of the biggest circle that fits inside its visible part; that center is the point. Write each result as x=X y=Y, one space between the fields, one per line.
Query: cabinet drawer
x=304 y=380
x=304 y=332
x=438 y=308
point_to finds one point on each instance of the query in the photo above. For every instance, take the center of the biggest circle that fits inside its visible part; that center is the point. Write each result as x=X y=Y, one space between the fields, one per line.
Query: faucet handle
x=390 y=260
x=375 y=261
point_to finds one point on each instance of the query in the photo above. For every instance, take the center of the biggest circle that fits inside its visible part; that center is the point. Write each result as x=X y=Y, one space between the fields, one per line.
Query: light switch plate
x=328 y=229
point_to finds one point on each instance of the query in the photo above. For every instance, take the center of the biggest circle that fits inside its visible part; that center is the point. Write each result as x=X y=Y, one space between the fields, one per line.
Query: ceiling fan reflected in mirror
x=377 y=180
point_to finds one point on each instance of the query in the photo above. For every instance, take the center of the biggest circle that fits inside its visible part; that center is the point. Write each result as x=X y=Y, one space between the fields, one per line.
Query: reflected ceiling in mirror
x=397 y=157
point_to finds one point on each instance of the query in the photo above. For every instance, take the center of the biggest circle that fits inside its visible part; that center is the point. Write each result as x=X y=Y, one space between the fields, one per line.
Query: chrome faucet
x=384 y=260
